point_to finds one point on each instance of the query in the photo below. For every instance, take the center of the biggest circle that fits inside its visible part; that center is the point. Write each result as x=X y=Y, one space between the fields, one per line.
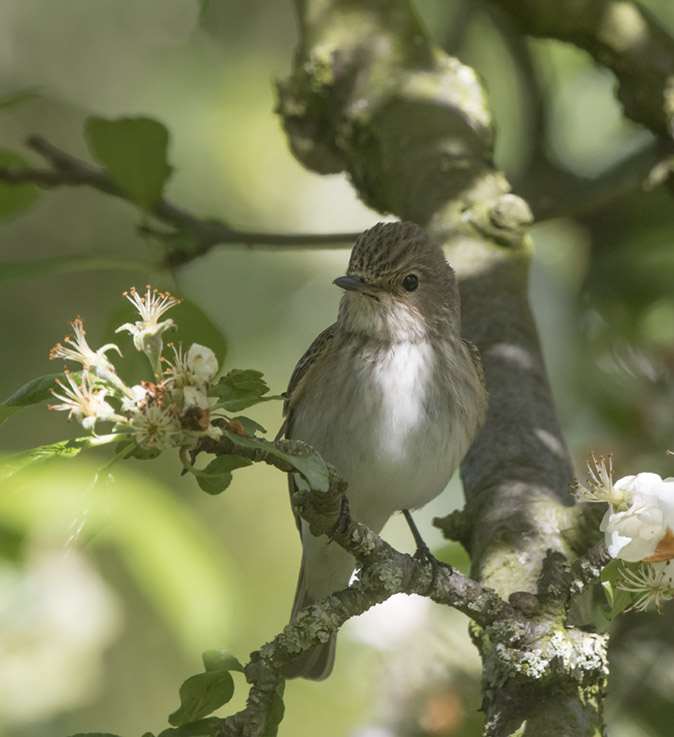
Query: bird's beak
x=356 y=284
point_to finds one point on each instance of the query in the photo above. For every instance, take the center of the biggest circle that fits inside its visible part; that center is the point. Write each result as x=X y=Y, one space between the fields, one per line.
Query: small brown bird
x=390 y=395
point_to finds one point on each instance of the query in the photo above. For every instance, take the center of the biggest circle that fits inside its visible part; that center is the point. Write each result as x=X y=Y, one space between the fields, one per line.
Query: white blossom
x=147 y=332
x=178 y=372
x=633 y=532
x=83 y=401
x=136 y=398
x=202 y=363
x=600 y=486
x=77 y=349
x=194 y=397
x=154 y=427
x=651 y=583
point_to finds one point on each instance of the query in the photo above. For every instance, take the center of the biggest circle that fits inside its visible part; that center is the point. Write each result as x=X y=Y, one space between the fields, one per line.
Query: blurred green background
x=110 y=589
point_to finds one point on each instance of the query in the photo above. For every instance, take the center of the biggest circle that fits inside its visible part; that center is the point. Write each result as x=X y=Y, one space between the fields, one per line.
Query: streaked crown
x=399 y=275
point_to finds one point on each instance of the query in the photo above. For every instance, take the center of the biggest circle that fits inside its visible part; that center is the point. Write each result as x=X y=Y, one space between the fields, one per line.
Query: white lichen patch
x=583 y=652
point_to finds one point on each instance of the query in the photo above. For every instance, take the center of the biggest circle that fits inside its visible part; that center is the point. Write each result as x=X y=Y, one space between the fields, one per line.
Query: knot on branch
x=410 y=125
x=504 y=220
x=455 y=526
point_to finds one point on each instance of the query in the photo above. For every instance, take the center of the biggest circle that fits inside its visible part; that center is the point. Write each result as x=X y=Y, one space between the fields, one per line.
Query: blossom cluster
x=638 y=528
x=172 y=411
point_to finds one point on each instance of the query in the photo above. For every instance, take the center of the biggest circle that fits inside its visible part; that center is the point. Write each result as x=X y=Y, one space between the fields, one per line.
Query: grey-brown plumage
x=390 y=395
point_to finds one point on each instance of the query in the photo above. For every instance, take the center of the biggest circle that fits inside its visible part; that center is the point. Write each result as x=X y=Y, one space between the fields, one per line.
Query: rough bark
x=370 y=94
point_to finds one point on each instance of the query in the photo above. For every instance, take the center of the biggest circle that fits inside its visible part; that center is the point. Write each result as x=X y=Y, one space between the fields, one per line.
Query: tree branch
x=67 y=170
x=555 y=192
x=622 y=36
x=383 y=571
x=550 y=190
x=372 y=95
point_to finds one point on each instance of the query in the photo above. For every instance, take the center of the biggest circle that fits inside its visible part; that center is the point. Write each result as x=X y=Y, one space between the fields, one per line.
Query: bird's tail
x=315 y=663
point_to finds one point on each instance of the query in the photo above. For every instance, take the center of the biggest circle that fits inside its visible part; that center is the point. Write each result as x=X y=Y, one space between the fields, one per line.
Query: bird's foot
x=423 y=553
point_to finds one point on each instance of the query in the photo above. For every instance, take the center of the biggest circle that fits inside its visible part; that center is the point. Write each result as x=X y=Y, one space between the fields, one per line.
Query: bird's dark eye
x=410 y=282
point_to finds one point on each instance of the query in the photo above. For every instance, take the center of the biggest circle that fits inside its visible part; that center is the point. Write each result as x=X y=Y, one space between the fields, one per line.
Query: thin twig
x=67 y=170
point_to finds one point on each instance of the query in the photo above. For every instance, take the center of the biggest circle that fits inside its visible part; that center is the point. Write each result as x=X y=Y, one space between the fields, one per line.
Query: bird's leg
x=423 y=551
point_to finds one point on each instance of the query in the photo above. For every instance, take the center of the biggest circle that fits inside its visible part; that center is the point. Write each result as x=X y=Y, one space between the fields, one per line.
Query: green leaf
x=201 y=728
x=217 y=475
x=221 y=660
x=34 y=392
x=94 y=734
x=15 y=198
x=133 y=152
x=617 y=600
x=250 y=426
x=240 y=388
x=308 y=462
x=16 y=98
x=12 y=464
x=202 y=694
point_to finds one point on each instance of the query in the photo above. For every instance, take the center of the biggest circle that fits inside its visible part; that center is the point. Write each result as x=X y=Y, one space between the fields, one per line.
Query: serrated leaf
x=34 y=392
x=308 y=462
x=202 y=694
x=219 y=473
x=15 y=198
x=209 y=727
x=64 y=449
x=221 y=660
x=134 y=153
x=240 y=388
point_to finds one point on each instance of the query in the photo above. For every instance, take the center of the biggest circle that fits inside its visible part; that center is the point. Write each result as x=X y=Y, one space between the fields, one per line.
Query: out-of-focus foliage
x=106 y=620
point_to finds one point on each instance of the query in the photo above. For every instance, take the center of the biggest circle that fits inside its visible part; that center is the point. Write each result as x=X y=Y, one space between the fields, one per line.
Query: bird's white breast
x=384 y=417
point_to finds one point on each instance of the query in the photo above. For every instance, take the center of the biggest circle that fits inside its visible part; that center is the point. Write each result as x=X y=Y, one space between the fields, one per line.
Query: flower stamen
x=600 y=486
x=651 y=583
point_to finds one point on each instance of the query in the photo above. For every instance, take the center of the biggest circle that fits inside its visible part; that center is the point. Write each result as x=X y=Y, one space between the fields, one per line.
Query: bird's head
x=398 y=286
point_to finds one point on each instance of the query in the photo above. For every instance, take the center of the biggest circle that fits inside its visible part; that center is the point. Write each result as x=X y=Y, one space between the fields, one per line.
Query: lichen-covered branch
x=621 y=35
x=383 y=571
x=371 y=94
x=205 y=233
